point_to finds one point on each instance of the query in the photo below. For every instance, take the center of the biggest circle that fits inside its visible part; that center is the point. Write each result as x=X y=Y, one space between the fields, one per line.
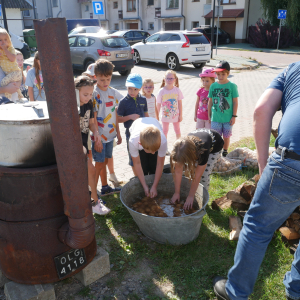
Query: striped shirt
x=151 y=106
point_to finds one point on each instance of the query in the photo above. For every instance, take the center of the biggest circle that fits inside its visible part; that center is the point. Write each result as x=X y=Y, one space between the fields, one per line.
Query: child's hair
x=147 y=80
x=185 y=152
x=163 y=83
x=84 y=80
x=150 y=138
x=19 y=52
x=37 y=71
x=3 y=31
x=226 y=71
x=103 y=67
x=212 y=79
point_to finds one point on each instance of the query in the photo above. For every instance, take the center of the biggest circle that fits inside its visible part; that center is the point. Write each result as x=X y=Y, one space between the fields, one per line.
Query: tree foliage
x=270 y=10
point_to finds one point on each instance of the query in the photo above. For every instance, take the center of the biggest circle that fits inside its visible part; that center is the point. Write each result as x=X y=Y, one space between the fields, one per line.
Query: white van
x=20 y=45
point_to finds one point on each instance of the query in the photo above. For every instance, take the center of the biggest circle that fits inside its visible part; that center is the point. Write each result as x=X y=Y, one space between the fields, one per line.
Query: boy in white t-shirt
x=147 y=147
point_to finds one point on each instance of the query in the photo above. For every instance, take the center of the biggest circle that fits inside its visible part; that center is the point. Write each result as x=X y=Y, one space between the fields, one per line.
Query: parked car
x=87 y=48
x=91 y=29
x=223 y=36
x=175 y=48
x=73 y=23
x=132 y=36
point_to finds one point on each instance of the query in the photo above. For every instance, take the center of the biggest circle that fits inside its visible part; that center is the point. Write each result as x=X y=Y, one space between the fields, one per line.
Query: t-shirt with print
x=202 y=112
x=212 y=143
x=32 y=82
x=288 y=82
x=135 y=130
x=105 y=103
x=86 y=113
x=169 y=103
x=222 y=95
x=129 y=106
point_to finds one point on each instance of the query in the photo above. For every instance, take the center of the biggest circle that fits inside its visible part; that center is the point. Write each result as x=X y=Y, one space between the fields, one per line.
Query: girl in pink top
x=201 y=113
x=170 y=100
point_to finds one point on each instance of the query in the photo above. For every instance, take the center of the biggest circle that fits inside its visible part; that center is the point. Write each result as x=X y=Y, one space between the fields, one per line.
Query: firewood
x=235 y=225
x=246 y=192
x=295 y=216
x=256 y=178
x=290 y=223
x=224 y=203
x=274 y=132
x=289 y=233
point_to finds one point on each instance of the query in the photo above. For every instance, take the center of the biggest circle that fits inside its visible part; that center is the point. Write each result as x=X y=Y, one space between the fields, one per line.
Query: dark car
x=223 y=36
x=132 y=36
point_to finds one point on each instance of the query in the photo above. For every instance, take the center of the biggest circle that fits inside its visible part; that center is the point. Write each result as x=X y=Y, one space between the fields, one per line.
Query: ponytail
x=37 y=68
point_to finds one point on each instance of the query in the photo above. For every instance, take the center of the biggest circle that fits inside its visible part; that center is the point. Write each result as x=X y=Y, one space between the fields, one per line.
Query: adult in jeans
x=11 y=88
x=278 y=191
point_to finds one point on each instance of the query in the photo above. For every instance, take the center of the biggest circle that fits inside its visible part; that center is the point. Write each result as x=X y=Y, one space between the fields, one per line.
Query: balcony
x=84 y=1
x=120 y=14
x=157 y=12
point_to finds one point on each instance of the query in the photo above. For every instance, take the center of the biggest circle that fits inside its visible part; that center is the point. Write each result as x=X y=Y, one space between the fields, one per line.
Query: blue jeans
x=276 y=197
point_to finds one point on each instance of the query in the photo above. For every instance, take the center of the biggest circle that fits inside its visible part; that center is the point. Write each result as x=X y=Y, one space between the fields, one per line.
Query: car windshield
x=114 y=42
x=197 y=39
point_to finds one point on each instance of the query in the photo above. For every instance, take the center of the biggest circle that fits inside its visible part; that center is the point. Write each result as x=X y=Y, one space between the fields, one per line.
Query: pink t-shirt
x=169 y=103
x=202 y=112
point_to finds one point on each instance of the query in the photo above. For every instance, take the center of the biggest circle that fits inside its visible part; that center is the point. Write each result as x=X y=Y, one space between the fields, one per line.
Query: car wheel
x=198 y=66
x=136 y=57
x=173 y=62
x=89 y=62
x=125 y=73
x=227 y=41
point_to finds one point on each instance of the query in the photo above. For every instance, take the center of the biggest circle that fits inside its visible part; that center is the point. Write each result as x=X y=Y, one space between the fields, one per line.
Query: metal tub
x=174 y=231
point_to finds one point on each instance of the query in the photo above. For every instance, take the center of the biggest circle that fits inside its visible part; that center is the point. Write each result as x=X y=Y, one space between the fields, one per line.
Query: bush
x=265 y=35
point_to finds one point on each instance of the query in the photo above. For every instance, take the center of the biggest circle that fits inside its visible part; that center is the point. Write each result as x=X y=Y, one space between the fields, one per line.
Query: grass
x=186 y=272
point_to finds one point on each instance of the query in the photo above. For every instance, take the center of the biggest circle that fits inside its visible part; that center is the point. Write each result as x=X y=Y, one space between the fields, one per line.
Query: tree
x=270 y=10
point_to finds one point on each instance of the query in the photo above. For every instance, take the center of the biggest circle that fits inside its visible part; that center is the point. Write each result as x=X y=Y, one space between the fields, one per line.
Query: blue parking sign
x=0 y=10
x=98 y=8
x=281 y=14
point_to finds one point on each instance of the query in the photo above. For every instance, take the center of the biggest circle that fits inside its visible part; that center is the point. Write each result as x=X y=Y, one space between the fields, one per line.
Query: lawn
x=184 y=272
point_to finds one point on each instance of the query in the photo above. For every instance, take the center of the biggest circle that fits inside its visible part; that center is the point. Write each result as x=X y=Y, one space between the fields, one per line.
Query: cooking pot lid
x=36 y=110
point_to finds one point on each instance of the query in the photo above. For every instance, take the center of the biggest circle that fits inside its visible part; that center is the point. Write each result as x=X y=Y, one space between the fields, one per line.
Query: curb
x=261 y=50
x=245 y=67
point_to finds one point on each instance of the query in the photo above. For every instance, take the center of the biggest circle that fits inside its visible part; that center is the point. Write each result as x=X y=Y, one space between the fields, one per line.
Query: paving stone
x=3 y=279
x=95 y=270
x=18 y=291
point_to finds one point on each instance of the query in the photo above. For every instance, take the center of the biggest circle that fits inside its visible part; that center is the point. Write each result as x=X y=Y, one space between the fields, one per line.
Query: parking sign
x=0 y=10
x=98 y=8
x=281 y=14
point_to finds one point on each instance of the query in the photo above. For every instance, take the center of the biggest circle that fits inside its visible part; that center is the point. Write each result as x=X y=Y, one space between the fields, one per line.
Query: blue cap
x=134 y=80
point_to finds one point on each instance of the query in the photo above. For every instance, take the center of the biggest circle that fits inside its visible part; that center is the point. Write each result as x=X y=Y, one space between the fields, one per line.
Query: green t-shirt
x=222 y=95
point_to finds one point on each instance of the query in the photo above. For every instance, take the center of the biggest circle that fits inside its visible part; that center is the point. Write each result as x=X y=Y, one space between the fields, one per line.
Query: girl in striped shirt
x=147 y=91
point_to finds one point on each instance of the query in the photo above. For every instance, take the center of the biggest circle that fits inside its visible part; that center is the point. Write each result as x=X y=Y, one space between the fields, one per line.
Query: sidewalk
x=249 y=47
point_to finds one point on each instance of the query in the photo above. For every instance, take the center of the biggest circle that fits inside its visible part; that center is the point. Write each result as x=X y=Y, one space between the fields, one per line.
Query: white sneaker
x=100 y=209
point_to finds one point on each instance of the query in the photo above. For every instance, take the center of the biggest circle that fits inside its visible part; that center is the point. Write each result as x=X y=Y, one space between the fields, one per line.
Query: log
x=247 y=192
x=235 y=225
x=289 y=233
x=224 y=203
x=295 y=216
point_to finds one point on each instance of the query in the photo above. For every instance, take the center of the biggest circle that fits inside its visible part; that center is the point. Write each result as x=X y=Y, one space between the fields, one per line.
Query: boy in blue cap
x=133 y=106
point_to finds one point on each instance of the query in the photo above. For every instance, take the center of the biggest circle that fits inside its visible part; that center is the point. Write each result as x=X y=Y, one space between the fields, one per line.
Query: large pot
x=25 y=135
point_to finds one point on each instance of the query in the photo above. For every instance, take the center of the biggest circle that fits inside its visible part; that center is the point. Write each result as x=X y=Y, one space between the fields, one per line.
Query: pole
x=279 y=34
x=212 y=28
x=4 y=14
x=34 y=11
x=217 y=31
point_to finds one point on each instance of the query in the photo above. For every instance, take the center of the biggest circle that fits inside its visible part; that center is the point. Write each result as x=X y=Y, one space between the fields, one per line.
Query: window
x=26 y=13
x=115 y=5
x=114 y=42
x=172 y=3
x=169 y=37
x=153 y=38
x=83 y=41
x=128 y=35
x=72 y=41
x=228 y=1
x=131 y=5
x=145 y=34
x=150 y=26
x=54 y=3
x=92 y=41
x=91 y=16
x=197 y=39
x=87 y=8
x=195 y=0
x=150 y=2
x=195 y=24
x=137 y=34
x=116 y=26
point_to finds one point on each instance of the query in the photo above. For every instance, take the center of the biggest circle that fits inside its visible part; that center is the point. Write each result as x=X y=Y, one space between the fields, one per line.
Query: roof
x=21 y=4
x=228 y=13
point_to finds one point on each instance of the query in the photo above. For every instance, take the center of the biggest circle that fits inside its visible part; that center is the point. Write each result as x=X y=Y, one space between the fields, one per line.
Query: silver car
x=86 y=48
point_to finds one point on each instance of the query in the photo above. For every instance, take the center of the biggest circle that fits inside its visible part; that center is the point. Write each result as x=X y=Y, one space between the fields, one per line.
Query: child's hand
x=146 y=190
x=134 y=116
x=97 y=137
x=195 y=119
x=98 y=146
x=180 y=118
x=153 y=192
x=119 y=141
x=176 y=197
x=188 y=202
x=232 y=121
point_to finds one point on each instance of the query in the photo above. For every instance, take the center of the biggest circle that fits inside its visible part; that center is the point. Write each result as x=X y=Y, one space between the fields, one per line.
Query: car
x=223 y=36
x=132 y=36
x=175 y=48
x=88 y=29
x=86 y=48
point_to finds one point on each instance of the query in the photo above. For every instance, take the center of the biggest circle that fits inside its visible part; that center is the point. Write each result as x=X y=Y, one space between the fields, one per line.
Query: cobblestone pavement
x=250 y=84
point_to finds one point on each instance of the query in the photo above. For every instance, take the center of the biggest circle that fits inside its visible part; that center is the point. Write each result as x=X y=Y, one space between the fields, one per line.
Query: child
x=86 y=86
x=20 y=62
x=147 y=91
x=8 y=62
x=201 y=109
x=223 y=104
x=132 y=107
x=170 y=99
x=196 y=154
x=105 y=104
x=34 y=81
x=90 y=72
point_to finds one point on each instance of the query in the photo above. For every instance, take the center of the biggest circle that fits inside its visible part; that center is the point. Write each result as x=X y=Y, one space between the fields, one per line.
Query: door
x=172 y=26
x=72 y=44
x=133 y=26
x=81 y=50
x=150 y=47
x=167 y=43
x=129 y=37
x=137 y=37
x=229 y=26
